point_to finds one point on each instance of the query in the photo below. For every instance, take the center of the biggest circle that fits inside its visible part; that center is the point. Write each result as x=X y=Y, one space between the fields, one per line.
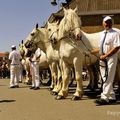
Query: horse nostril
x=78 y=37
x=27 y=45
x=54 y=39
x=28 y=54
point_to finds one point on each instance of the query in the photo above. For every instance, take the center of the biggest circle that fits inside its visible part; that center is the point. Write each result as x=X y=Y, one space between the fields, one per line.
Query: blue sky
x=18 y=18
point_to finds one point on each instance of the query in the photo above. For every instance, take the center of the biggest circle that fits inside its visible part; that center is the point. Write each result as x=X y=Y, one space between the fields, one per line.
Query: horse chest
x=66 y=49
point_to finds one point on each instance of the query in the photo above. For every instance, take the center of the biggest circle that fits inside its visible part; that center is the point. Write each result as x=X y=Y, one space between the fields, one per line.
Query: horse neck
x=44 y=44
x=41 y=46
x=42 y=41
x=90 y=40
x=61 y=29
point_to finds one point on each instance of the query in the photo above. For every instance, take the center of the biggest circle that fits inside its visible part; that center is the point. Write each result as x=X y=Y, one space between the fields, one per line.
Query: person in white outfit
x=108 y=49
x=34 y=66
x=14 y=58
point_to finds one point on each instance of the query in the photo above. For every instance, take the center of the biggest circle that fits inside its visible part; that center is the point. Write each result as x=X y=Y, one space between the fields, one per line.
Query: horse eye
x=32 y=34
x=49 y=29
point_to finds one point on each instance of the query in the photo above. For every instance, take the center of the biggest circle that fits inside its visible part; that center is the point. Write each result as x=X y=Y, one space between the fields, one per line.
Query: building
x=92 y=13
x=4 y=57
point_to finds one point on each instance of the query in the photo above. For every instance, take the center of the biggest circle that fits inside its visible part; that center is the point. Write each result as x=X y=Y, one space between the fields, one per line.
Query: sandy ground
x=25 y=104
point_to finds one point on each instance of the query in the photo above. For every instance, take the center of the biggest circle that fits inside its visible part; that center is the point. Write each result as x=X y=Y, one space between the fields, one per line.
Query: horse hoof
x=50 y=89
x=59 y=97
x=29 y=83
x=88 y=87
x=118 y=91
x=54 y=93
x=76 y=98
x=92 y=89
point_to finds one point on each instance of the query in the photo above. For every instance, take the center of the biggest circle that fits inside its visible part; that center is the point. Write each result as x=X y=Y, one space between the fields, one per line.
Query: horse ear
x=37 y=26
x=22 y=41
x=64 y=10
x=48 y=23
x=57 y=22
x=76 y=9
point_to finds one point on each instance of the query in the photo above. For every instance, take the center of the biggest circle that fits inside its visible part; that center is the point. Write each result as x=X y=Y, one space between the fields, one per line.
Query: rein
x=105 y=61
x=74 y=28
x=106 y=66
x=52 y=35
x=75 y=45
x=31 y=41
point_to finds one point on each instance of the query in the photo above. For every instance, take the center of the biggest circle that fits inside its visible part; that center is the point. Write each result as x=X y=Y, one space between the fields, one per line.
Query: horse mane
x=74 y=17
x=62 y=27
x=69 y=20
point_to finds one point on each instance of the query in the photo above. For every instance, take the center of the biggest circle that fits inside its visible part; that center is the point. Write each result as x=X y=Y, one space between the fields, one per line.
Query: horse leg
x=93 y=84
x=71 y=76
x=78 y=76
x=28 y=78
x=59 y=81
x=65 y=75
x=52 y=78
x=117 y=77
x=56 y=80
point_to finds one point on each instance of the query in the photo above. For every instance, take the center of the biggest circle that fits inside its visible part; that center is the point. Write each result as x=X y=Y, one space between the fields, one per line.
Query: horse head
x=70 y=23
x=21 y=49
x=34 y=39
x=52 y=29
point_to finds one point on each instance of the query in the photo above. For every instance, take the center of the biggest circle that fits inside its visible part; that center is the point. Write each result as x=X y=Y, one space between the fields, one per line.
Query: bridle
x=31 y=42
x=50 y=38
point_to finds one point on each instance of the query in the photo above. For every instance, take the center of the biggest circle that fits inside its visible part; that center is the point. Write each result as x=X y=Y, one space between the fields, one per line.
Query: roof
x=90 y=7
x=2 y=54
x=94 y=6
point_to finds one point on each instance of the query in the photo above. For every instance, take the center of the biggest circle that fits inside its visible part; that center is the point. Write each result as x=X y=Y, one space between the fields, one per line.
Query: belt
x=34 y=61
x=14 y=64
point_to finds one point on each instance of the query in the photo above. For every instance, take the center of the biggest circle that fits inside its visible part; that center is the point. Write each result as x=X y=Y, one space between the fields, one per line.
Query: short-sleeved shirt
x=112 y=40
x=15 y=57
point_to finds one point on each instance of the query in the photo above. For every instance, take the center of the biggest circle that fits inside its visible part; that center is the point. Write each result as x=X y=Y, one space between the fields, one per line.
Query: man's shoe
x=12 y=87
x=32 y=87
x=16 y=86
x=36 y=88
x=102 y=101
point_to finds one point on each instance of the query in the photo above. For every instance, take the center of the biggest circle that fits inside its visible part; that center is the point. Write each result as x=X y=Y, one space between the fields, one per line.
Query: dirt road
x=25 y=104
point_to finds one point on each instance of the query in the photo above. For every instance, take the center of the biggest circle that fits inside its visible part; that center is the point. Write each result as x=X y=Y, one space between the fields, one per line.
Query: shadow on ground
x=7 y=101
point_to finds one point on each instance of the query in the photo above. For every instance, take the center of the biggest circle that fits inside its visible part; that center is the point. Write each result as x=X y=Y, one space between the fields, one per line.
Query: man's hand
x=102 y=57
x=94 y=51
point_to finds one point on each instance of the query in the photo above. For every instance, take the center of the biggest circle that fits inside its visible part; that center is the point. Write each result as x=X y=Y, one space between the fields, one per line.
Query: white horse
x=26 y=64
x=39 y=38
x=43 y=64
x=72 y=51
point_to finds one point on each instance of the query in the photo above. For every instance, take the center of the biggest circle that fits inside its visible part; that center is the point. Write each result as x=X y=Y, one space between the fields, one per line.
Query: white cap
x=107 y=18
x=13 y=46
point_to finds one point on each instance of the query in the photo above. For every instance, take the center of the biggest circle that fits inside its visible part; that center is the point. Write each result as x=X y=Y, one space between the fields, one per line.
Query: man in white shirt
x=34 y=66
x=108 y=49
x=14 y=58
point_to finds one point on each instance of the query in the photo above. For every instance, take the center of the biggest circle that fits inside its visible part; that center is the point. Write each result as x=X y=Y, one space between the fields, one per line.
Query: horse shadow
x=94 y=94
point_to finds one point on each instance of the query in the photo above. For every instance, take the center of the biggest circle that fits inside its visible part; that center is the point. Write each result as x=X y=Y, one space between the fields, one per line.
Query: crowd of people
x=4 y=70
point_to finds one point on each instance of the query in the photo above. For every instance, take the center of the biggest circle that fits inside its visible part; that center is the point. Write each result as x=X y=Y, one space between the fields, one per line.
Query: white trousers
x=108 y=92
x=14 y=75
x=35 y=74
